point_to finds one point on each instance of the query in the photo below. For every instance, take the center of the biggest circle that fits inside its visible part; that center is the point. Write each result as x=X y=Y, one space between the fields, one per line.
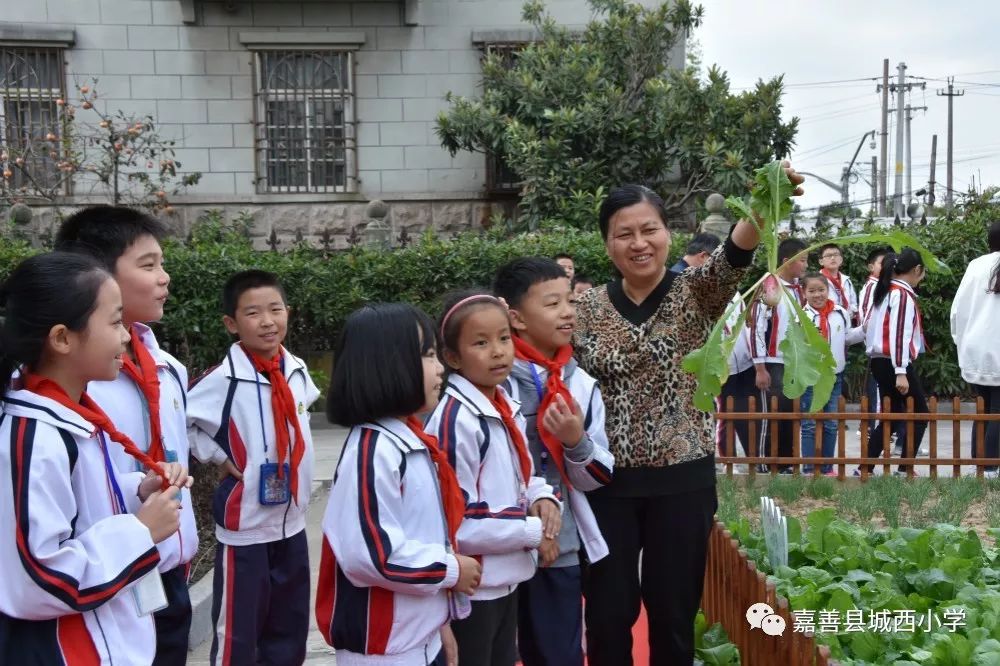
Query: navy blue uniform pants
x=173 y=623
x=260 y=607
x=550 y=618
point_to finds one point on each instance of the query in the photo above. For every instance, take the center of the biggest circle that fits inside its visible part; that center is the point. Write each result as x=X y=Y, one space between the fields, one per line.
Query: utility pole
x=882 y=176
x=930 y=185
x=909 y=164
x=951 y=95
x=900 y=88
x=875 y=202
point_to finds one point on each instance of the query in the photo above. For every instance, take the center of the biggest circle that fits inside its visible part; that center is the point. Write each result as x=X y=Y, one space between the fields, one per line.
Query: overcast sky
x=819 y=41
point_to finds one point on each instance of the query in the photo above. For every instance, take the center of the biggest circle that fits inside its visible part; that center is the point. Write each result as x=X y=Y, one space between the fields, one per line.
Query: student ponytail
x=894 y=265
x=44 y=291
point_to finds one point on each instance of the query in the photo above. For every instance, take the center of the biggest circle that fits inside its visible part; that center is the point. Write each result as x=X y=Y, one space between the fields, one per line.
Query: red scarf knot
x=824 y=318
x=283 y=408
x=554 y=385
x=452 y=499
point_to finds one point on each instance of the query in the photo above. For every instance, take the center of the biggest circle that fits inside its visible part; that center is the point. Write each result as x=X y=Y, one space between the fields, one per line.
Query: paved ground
x=329 y=442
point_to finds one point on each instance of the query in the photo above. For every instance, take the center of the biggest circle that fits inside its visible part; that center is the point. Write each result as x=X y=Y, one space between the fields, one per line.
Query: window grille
x=500 y=178
x=305 y=121
x=31 y=81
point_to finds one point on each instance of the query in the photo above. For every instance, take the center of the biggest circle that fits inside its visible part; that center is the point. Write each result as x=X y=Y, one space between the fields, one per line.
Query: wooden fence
x=841 y=460
x=733 y=584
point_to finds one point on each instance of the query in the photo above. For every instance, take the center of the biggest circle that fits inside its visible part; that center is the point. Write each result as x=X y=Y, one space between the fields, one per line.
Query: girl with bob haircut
x=894 y=338
x=390 y=577
x=509 y=513
x=80 y=583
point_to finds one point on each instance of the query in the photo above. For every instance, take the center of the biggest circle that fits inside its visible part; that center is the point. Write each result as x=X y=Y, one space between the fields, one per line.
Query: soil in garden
x=882 y=501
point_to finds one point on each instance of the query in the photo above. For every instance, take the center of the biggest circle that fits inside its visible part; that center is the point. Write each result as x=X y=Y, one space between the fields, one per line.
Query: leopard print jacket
x=649 y=398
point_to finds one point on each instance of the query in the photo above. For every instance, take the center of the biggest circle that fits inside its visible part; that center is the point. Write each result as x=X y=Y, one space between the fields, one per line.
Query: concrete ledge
x=301 y=39
x=37 y=35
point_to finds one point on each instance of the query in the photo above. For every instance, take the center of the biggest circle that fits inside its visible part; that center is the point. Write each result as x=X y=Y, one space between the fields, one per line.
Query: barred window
x=305 y=121
x=500 y=178
x=31 y=81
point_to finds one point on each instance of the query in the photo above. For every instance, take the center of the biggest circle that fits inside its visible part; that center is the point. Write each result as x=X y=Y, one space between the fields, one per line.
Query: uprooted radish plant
x=806 y=354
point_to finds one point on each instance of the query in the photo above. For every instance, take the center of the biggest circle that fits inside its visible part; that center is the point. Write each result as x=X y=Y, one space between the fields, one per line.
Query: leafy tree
x=117 y=156
x=575 y=112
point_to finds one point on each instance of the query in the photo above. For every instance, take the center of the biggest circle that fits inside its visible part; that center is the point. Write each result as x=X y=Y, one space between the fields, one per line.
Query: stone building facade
x=298 y=111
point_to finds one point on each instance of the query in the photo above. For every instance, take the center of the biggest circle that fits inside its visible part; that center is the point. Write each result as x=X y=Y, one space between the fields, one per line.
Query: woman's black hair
x=893 y=265
x=378 y=364
x=625 y=196
x=994 y=241
x=452 y=318
x=44 y=291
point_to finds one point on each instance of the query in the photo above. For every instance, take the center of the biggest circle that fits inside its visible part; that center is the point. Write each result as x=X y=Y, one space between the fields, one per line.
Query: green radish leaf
x=808 y=360
x=740 y=210
x=710 y=366
x=898 y=239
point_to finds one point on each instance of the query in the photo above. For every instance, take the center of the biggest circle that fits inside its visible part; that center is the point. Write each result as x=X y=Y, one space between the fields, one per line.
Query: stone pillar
x=377 y=233
x=716 y=223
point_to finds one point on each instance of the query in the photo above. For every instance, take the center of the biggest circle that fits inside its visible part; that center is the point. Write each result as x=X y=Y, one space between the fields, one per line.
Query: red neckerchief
x=90 y=412
x=554 y=385
x=516 y=436
x=451 y=493
x=145 y=377
x=824 y=318
x=285 y=414
x=796 y=288
x=838 y=285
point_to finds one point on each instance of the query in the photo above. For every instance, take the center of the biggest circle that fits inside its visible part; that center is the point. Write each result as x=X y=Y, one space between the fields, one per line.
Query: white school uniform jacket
x=842 y=335
x=768 y=326
x=386 y=563
x=229 y=416
x=849 y=293
x=69 y=555
x=866 y=299
x=589 y=464
x=496 y=524
x=975 y=317
x=123 y=402
x=741 y=357
x=894 y=329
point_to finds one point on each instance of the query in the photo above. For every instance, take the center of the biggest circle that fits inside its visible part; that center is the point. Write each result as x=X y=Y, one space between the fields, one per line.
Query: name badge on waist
x=274 y=489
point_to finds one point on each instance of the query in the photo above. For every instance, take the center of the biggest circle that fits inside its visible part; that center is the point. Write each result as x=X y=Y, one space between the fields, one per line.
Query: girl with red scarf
x=80 y=582
x=391 y=576
x=834 y=323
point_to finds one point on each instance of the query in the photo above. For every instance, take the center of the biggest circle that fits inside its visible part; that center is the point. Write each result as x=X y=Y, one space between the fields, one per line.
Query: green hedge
x=324 y=289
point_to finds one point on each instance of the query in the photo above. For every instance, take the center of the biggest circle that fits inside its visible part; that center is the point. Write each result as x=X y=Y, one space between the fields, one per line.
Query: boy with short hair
x=697 y=251
x=147 y=400
x=565 y=428
x=249 y=414
x=768 y=327
x=582 y=283
x=840 y=286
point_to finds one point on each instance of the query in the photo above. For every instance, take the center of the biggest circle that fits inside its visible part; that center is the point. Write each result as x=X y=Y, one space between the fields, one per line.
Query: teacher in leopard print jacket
x=632 y=335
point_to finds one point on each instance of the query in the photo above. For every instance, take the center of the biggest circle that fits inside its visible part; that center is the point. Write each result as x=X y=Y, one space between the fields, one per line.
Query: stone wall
x=321 y=224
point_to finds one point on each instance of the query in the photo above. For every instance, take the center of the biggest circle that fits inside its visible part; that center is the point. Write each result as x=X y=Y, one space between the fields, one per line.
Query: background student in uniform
x=564 y=416
x=865 y=301
x=768 y=326
x=739 y=385
x=510 y=513
x=389 y=566
x=894 y=338
x=250 y=414
x=566 y=262
x=582 y=283
x=834 y=324
x=839 y=284
x=146 y=400
x=81 y=532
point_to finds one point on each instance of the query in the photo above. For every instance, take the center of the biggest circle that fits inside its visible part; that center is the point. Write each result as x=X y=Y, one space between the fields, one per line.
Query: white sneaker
x=992 y=474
